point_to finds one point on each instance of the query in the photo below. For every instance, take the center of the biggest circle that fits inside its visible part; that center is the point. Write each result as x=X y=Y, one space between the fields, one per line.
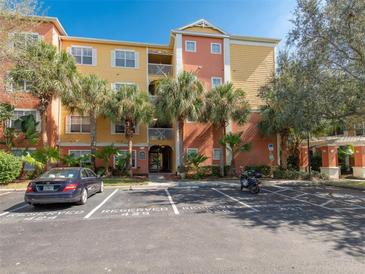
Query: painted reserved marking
x=172 y=202
x=100 y=205
x=234 y=199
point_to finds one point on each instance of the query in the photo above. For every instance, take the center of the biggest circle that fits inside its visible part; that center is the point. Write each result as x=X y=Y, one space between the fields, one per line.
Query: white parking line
x=1 y=194
x=100 y=205
x=302 y=201
x=326 y=203
x=172 y=202
x=322 y=196
x=13 y=210
x=234 y=199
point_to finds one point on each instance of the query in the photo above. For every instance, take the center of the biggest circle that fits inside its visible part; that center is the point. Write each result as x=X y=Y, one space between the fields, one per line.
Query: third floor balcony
x=159 y=62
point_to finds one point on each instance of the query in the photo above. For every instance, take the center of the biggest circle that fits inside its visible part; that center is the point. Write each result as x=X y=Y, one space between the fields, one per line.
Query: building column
x=303 y=159
x=359 y=165
x=330 y=162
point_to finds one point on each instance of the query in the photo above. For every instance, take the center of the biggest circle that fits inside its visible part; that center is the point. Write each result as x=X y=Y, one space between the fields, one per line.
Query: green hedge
x=10 y=167
x=263 y=169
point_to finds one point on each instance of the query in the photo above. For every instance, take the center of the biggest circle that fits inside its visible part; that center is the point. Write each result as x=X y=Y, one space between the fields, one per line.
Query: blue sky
x=151 y=21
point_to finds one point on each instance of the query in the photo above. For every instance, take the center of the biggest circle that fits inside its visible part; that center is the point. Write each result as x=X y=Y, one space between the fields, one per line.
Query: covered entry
x=160 y=159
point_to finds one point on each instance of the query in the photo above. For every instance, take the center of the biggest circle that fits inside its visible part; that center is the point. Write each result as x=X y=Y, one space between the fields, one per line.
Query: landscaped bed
x=125 y=181
x=347 y=184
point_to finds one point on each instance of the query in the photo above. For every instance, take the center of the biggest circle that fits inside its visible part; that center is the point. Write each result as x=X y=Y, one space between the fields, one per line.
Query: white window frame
x=12 y=34
x=71 y=151
x=10 y=86
x=69 y=124
x=122 y=83
x=37 y=116
x=215 y=150
x=114 y=58
x=135 y=158
x=192 y=150
x=215 y=78
x=113 y=132
x=93 y=54
x=186 y=45
x=214 y=44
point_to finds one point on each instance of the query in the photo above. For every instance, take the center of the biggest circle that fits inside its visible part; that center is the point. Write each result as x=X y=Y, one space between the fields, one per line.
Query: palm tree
x=88 y=97
x=48 y=72
x=225 y=103
x=179 y=99
x=235 y=144
x=130 y=106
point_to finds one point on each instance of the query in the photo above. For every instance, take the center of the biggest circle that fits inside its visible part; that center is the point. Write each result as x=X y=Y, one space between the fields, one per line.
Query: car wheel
x=101 y=190
x=83 y=198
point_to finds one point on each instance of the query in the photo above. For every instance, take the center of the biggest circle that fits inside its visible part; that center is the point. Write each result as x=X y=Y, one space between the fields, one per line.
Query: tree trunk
x=232 y=170
x=223 y=152
x=181 y=137
x=130 y=151
x=44 y=135
x=93 y=139
x=284 y=149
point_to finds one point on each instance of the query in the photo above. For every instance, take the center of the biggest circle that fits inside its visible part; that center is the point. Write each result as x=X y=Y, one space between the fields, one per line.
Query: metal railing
x=159 y=69
x=160 y=133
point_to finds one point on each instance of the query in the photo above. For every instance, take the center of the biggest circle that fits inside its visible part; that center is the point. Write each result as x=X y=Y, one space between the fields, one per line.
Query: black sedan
x=63 y=185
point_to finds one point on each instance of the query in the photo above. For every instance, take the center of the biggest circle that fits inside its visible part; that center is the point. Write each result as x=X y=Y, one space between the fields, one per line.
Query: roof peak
x=204 y=24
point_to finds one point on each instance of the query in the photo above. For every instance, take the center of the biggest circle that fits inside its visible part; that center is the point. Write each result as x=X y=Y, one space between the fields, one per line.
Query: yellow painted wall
x=251 y=67
x=105 y=71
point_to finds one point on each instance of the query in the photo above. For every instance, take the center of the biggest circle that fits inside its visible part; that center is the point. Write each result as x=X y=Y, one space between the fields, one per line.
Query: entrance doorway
x=160 y=159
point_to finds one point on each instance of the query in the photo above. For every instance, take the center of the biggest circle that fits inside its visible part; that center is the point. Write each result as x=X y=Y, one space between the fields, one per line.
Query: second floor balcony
x=160 y=133
x=159 y=69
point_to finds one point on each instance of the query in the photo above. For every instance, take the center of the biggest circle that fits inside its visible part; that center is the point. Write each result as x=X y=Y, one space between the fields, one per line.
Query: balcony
x=161 y=133
x=159 y=69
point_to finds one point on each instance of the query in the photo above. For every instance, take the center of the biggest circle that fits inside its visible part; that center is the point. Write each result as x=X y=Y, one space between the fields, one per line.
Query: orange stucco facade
x=247 y=62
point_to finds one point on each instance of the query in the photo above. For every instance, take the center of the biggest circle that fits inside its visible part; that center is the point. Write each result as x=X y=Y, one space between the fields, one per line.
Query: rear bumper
x=52 y=198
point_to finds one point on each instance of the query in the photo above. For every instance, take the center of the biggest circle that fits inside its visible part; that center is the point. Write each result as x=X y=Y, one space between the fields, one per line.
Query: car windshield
x=61 y=173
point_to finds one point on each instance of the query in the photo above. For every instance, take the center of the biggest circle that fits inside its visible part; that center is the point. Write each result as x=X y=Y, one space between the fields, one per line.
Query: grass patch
x=348 y=184
x=125 y=181
x=17 y=185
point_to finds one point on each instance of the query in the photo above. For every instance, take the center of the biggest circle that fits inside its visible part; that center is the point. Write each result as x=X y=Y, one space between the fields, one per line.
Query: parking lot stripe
x=234 y=199
x=302 y=201
x=100 y=205
x=172 y=202
x=326 y=203
x=1 y=194
x=13 y=210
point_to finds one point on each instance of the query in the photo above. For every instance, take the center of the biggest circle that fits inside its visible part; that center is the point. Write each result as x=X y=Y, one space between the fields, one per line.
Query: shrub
x=289 y=174
x=263 y=169
x=10 y=167
x=316 y=161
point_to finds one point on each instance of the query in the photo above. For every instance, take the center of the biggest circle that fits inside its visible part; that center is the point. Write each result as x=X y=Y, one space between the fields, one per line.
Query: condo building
x=211 y=53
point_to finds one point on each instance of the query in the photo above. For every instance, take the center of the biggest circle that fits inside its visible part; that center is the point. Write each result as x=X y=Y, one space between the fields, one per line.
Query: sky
x=151 y=21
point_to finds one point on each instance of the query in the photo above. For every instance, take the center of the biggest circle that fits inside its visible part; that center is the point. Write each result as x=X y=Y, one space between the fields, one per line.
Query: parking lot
x=198 y=228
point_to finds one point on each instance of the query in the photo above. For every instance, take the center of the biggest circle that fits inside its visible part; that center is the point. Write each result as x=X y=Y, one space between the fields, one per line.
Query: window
x=123 y=154
x=215 y=48
x=17 y=113
x=142 y=155
x=84 y=55
x=12 y=86
x=20 y=152
x=84 y=174
x=79 y=124
x=216 y=154
x=192 y=151
x=91 y=173
x=81 y=153
x=21 y=40
x=190 y=46
x=125 y=58
x=216 y=81
x=359 y=129
x=119 y=128
x=117 y=86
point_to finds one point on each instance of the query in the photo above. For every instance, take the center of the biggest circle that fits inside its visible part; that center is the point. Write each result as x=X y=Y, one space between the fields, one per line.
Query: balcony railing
x=159 y=69
x=160 y=133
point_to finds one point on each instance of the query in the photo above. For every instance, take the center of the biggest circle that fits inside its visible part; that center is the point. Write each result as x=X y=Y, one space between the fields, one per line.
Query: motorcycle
x=250 y=180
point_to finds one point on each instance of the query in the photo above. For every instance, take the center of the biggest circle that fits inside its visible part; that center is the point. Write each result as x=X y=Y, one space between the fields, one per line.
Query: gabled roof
x=203 y=24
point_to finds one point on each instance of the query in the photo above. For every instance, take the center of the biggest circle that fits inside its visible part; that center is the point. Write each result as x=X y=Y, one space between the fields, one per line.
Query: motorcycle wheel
x=254 y=189
x=241 y=186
